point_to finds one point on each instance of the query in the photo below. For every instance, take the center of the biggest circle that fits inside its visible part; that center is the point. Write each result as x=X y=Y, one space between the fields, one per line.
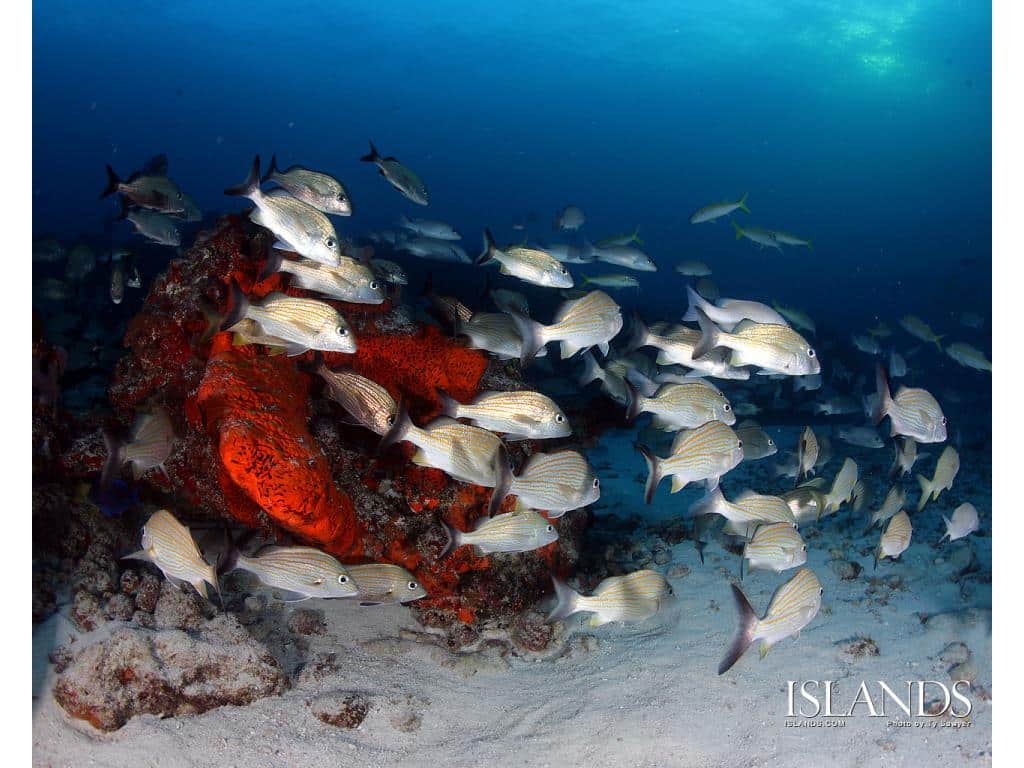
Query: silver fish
x=613 y=384
x=437 y=230
x=569 y=254
x=912 y=412
x=398 y=176
x=894 y=500
x=556 y=482
x=155 y=226
x=436 y=250
x=717 y=210
x=842 y=486
x=763 y=238
x=520 y=415
x=303 y=324
x=348 y=280
x=323 y=192
x=529 y=264
x=592 y=320
x=963 y=522
x=384 y=583
x=513 y=532
x=705 y=453
x=154 y=192
x=757 y=444
x=300 y=573
x=727 y=313
x=772 y=348
x=389 y=271
x=571 y=218
x=946 y=468
x=169 y=545
x=793 y=606
x=622 y=255
x=633 y=597
x=365 y=400
x=864 y=437
x=117 y=283
x=298 y=226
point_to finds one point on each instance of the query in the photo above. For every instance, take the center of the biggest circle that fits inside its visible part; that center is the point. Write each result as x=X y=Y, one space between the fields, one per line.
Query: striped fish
x=906 y=456
x=366 y=401
x=298 y=226
x=169 y=545
x=793 y=606
x=521 y=415
x=896 y=537
x=746 y=513
x=529 y=264
x=893 y=503
x=757 y=444
x=556 y=483
x=464 y=452
x=770 y=347
x=912 y=412
x=303 y=324
x=298 y=572
x=775 y=547
x=348 y=281
x=494 y=332
x=807 y=453
x=323 y=192
x=633 y=597
x=705 y=453
x=380 y=583
x=860 y=496
x=683 y=406
x=806 y=503
x=592 y=320
x=842 y=486
x=512 y=532
x=150 y=446
x=946 y=469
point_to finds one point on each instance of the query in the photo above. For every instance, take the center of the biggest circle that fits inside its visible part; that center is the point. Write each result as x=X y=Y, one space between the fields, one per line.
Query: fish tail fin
x=373 y=155
x=453 y=537
x=638 y=334
x=591 y=370
x=115 y=458
x=710 y=334
x=113 y=182
x=742 y=204
x=272 y=264
x=635 y=237
x=653 y=472
x=502 y=483
x=398 y=430
x=695 y=302
x=489 y=249
x=744 y=634
x=565 y=601
x=739 y=230
x=211 y=579
x=949 y=529
x=449 y=405
x=884 y=398
x=228 y=560
x=586 y=280
x=635 y=403
x=532 y=334
x=937 y=339
x=271 y=170
x=212 y=317
x=250 y=187
x=926 y=491
x=239 y=308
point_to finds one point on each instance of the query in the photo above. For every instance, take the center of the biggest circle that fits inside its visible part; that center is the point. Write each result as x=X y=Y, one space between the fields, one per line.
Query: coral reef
x=167 y=672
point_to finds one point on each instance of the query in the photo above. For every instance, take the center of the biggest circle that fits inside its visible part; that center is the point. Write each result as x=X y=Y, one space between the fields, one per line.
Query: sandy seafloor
x=644 y=695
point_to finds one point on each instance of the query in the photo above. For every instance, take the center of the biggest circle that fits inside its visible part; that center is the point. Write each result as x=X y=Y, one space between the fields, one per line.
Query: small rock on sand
x=341 y=709
x=307 y=621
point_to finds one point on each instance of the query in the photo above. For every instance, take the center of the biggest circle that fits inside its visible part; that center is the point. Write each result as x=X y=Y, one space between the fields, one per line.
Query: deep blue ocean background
x=865 y=126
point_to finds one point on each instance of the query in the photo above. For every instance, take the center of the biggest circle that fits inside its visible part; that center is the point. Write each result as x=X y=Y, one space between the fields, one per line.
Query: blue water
x=864 y=126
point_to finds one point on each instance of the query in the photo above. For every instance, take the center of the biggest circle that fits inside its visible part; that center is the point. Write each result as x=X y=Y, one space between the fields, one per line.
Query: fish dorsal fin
x=744 y=325
x=442 y=422
x=567 y=307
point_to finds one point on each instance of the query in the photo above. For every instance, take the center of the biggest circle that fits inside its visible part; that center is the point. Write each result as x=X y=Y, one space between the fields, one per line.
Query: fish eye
x=373 y=285
x=804 y=547
x=342 y=330
x=821 y=590
x=563 y=270
x=597 y=483
x=739 y=443
x=795 y=526
x=943 y=421
x=810 y=353
x=559 y=418
x=413 y=585
x=329 y=242
x=342 y=579
x=726 y=407
x=550 y=528
x=391 y=419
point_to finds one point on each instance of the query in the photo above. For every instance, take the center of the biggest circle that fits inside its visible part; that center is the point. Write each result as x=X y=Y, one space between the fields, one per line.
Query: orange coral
x=255 y=408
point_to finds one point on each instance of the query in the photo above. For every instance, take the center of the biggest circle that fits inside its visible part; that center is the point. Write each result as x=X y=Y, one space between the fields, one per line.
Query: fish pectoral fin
x=139 y=555
x=677 y=484
x=595 y=621
x=281 y=245
x=420 y=459
x=292 y=349
x=604 y=347
x=370 y=603
x=763 y=650
x=291 y=596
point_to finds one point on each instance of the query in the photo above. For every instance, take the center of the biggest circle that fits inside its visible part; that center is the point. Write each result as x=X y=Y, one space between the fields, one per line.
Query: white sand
x=646 y=696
